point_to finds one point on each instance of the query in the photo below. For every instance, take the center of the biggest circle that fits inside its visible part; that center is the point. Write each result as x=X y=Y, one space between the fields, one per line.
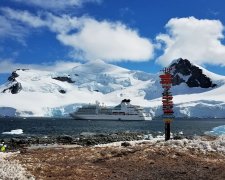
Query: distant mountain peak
x=185 y=72
x=60 y=93
x=98 y=66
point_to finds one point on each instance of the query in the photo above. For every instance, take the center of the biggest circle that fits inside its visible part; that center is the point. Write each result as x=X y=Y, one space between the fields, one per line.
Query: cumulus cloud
x=108 y=41
x=196 y=39
x=90 y=39
x=55 y=4
x=7 y=66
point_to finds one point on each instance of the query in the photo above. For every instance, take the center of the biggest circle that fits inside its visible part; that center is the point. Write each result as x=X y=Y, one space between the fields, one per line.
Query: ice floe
x=16 y=131
x=217 y=131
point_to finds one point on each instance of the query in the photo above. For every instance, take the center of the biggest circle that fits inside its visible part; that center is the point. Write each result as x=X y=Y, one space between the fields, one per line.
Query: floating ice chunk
x=217 y=131
x=16 y=131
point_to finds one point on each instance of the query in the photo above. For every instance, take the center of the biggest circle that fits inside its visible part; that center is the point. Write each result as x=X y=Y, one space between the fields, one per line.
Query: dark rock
x=22 y=141
x=178 y=137
x=205 y=81
x=196 y=77
x=214 y=85
x=64 y=79
x=126 y=100
x=90 y=142
x=14 y=89
x=22 y=69
x=62 y=91
x=107 y=138
x=45 y=140
x=18 y=141
x=13 y=76
x=183 y=66
x=125 y=144
x=177 y=80
x=192 y=82
x=65 y=139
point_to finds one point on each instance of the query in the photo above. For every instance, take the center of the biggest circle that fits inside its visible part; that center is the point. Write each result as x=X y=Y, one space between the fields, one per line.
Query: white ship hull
x=124 y=111
x=110 y=117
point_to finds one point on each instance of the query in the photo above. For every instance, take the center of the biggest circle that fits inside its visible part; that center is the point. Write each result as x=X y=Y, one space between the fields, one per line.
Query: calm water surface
x=59 y=126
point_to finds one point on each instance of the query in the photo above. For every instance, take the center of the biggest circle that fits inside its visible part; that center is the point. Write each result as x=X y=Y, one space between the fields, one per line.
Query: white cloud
x=7 y=66
x=194 y=39
x=55 y=4
x=23 y=16
x=91 y=39
x=13 y=30
x=60 y=24
x=108 y=41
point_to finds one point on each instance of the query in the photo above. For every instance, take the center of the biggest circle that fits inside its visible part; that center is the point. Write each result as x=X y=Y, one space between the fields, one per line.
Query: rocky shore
x=84 y=139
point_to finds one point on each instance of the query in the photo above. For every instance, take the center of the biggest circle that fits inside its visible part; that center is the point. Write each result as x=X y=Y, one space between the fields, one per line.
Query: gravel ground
x=140 y=161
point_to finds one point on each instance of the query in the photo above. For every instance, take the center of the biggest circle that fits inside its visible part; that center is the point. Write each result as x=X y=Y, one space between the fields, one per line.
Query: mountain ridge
x=43 y=93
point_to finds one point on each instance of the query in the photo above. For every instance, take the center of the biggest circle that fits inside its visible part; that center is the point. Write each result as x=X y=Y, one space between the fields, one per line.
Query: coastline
x=198 y=158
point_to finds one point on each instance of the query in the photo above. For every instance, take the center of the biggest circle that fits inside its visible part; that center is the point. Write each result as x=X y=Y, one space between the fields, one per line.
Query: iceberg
x=217 y=131
x=16 y=131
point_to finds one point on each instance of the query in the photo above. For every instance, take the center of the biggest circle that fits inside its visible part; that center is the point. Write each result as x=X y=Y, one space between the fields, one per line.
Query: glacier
x=197 y=92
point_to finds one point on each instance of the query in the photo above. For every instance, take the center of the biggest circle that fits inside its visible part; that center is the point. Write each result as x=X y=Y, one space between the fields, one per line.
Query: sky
x=141 y=35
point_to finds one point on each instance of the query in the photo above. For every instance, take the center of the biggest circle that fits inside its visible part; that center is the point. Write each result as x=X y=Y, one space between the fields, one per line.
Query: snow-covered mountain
x=198 y=92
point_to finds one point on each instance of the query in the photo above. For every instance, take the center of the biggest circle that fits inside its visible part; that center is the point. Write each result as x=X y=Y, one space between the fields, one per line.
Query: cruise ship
x=123 y=111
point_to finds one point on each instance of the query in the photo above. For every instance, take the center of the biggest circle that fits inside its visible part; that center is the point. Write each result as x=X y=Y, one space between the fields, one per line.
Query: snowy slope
x=42 y=93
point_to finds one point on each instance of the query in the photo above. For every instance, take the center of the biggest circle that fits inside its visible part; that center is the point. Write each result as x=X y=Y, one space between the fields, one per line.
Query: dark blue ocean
x=68 y=126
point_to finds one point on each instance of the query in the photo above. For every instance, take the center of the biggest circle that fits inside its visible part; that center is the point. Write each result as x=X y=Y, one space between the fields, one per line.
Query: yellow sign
x=167 y=120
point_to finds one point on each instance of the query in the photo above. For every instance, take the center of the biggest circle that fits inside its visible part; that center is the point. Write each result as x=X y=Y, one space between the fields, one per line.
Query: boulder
x=65 y=139
x=125 y=144
x=62 y=91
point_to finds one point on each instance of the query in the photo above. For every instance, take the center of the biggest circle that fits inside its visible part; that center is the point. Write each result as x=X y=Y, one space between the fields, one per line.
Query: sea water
x=67 y=126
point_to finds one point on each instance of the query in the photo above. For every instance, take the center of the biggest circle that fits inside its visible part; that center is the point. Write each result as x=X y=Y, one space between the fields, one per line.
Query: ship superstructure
x=123 y=111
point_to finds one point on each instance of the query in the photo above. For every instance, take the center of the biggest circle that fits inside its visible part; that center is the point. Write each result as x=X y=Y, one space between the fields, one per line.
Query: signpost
x=167 y=100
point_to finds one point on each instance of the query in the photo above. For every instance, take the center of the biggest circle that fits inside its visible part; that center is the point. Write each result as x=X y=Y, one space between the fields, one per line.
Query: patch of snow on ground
x=16 y=131
x=12 y=169
x=148 y=139
x=198 y=144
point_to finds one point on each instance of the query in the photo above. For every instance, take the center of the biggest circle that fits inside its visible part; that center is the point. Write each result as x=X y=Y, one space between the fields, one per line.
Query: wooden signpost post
x=167 y=100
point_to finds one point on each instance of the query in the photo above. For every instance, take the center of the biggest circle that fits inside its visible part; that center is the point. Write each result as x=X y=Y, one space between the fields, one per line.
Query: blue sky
x=136 y=34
